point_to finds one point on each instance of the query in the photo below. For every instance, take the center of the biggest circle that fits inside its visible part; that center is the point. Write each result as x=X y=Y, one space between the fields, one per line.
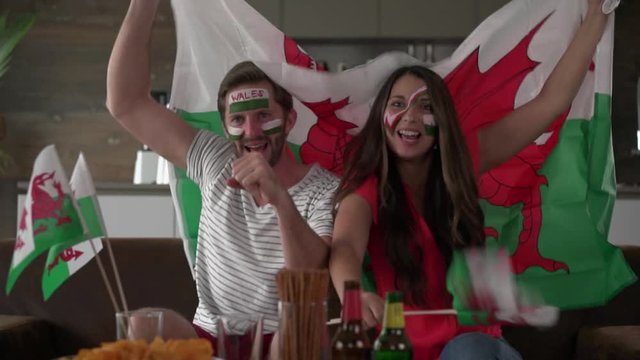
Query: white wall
x=625 y=225
x=139 y=216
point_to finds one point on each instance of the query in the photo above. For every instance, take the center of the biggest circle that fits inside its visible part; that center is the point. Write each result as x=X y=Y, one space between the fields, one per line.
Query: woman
x=408 y=195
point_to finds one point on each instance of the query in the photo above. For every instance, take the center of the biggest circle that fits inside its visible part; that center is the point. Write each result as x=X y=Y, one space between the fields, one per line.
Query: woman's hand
x=372 y=309
x=603 y=6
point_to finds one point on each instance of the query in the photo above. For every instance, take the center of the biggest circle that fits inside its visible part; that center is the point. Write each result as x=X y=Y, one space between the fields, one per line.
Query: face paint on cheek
x=248 y=99
x=430 y=126
x=392 y=119
x=235 y=133
x=272 y=127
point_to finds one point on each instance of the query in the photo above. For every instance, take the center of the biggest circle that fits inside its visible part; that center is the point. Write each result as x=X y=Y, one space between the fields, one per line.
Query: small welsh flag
x=49 y=216
x=64 y=260
x=484 y=291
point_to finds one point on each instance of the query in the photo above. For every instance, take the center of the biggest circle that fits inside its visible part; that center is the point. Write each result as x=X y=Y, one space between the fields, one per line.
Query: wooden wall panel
x=109 y=149
x=107 y=13
x=55 y=91
x=62 y=67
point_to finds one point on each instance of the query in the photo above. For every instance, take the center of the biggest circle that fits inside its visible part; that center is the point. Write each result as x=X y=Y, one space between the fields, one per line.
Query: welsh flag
x=550 y=205
x=64 y=260
x=49 y=216
x=484 y=291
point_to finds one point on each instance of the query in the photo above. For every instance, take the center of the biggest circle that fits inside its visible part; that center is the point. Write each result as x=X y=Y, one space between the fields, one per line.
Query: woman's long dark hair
x=450 y=207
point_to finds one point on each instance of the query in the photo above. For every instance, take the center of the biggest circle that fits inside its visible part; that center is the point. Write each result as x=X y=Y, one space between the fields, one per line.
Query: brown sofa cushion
x=25 y=337
x=556 y=343
x=609 y=342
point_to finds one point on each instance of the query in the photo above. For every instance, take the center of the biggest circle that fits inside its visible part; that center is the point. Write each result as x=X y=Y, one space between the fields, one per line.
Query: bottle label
x=394 y=316
x=352 y=306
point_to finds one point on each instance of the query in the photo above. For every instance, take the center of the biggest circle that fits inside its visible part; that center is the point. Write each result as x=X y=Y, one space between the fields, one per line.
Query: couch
x=155 y=273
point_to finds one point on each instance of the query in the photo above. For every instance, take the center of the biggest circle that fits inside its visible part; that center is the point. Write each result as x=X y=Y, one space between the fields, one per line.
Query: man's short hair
x=247 y=72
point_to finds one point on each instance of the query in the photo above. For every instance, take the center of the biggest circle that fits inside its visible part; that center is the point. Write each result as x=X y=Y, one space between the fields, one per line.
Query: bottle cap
x=352 y=285
x=394 y=296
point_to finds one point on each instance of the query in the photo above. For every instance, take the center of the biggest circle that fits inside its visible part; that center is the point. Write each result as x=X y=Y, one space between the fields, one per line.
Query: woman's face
x=409 y=122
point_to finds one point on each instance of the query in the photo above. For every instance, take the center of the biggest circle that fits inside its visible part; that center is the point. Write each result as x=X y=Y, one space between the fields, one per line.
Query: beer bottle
x=351 y=341
x=392 y=344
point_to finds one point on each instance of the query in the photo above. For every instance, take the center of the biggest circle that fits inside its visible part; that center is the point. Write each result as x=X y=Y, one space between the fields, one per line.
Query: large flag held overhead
x=49 y=215
x=550 y=205
x=64 y=260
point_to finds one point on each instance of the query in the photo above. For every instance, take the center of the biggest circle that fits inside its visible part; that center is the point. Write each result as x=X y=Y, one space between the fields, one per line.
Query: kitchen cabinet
x=427 y=19
x=139 y=216
x=370 y=19
x=135 y=215
x=336 y=19
x=270 y=9
x=488 y=7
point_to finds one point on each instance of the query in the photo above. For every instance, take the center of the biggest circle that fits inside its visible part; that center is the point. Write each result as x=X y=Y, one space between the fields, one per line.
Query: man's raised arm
x=128 y=88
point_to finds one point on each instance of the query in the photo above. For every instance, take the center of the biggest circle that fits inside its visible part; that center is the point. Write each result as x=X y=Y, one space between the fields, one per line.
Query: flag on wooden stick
x=49 y=216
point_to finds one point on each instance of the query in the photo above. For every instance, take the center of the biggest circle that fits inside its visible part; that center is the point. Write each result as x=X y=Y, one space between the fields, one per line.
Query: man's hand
x=253 y=173
x=372 y=309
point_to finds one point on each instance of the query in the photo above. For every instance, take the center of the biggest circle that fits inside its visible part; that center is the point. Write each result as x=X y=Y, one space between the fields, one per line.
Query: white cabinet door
x=346 y=19
x=427 y=19
x=147 y=216
x=136 y=216
x=270 y=9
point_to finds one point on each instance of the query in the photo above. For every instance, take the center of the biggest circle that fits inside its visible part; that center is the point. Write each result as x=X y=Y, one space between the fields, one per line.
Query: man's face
x=255 y=122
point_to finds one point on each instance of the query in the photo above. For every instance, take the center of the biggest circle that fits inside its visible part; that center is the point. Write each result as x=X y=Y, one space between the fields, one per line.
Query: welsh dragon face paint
x=392 y=119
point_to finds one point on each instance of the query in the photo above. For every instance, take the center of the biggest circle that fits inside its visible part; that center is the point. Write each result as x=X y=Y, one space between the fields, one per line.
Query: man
x=261 y=210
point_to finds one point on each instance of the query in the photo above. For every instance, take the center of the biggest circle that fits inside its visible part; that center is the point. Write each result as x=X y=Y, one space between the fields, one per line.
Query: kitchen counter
x=117 y=188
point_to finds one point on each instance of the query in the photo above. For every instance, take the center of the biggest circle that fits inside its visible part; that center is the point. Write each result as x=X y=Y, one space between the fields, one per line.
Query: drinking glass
x=139 y=325
x=239 y=337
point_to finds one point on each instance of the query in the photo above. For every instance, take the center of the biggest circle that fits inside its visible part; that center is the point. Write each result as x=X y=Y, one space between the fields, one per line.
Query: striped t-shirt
x=239 y=247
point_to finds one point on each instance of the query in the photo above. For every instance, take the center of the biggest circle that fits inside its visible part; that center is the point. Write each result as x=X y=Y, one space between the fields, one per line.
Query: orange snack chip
x=188 y=349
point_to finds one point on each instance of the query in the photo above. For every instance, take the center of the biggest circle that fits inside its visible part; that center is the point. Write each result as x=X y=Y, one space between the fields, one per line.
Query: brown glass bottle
x=393 y=343
x=351 y=341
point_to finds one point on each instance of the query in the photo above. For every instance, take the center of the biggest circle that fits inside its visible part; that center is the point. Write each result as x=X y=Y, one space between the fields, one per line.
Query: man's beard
x=276 y=146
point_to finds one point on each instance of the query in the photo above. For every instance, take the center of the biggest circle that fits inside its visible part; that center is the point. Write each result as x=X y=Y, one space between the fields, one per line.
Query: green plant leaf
x=11 y=32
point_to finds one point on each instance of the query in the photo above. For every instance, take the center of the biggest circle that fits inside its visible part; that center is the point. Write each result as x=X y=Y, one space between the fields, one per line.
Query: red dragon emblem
x=296 y=56
x=43 y=205
x=66 y=256
x=482 y=98
x=22 y=227
x=328 y=136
